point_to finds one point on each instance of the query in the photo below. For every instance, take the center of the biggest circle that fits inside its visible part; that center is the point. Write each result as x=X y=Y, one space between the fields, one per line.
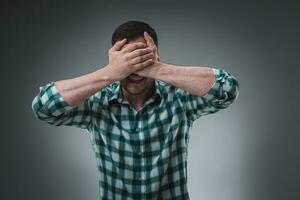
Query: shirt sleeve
x=223 y=92
x=49 y=106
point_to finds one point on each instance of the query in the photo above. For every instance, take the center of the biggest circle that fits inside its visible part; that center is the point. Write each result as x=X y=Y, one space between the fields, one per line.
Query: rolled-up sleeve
x=49 y=106
x=222 y=93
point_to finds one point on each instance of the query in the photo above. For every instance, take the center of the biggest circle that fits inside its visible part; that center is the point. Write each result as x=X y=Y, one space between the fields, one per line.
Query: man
x=138 y=112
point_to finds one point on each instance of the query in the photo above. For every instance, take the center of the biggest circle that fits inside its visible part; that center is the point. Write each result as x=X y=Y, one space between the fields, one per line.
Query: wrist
x=104 y=75
x=161 y=71
x=155 y=71
x=168 y=73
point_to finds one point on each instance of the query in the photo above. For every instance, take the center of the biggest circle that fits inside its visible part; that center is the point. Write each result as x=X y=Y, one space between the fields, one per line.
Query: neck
x=137 y=100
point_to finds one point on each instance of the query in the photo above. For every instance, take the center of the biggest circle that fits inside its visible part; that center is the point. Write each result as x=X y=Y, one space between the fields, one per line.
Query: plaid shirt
x=139 y=155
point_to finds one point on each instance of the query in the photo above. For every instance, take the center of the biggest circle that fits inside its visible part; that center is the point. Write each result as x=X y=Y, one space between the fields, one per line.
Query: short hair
x=131 y=30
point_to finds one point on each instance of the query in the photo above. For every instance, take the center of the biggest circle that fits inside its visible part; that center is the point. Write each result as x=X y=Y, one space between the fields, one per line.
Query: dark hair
x=131 y=30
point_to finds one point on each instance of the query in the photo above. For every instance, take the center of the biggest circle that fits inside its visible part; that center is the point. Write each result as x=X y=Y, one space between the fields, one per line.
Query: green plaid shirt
x=139 y=155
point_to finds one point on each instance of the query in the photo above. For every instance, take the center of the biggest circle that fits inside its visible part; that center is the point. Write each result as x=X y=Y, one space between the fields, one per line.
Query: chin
x=135 y=88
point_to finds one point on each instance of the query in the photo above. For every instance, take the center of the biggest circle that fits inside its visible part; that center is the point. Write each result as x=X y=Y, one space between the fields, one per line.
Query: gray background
x=248 y=151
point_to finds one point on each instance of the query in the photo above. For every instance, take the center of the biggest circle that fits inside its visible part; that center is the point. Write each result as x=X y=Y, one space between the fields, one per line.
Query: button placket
x=139 y=123
x=143 y=174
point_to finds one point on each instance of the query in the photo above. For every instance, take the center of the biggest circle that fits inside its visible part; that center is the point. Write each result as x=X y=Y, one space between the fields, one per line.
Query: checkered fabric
x=140 y=155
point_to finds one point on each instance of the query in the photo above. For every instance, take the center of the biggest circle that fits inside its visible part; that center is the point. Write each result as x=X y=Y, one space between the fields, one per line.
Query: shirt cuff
x=52 y=99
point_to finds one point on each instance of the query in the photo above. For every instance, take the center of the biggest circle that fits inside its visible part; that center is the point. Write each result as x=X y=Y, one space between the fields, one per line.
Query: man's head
x=131 y=30
x=134 y=32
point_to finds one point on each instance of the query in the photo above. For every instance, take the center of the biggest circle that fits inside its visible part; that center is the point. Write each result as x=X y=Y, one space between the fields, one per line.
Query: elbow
x=228 y=92
x=42 y=114
x=231 y=91
x=38 y=109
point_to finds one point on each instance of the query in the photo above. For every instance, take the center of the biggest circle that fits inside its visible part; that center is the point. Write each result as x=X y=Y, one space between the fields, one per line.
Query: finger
x=133 y=46
x=119 y=44
x=142 y=65
x=140 y=52
x=149 y=39
x=141 y=59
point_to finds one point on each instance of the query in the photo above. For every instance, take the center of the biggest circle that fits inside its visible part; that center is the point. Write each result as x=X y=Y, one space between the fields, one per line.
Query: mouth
x=134 y=78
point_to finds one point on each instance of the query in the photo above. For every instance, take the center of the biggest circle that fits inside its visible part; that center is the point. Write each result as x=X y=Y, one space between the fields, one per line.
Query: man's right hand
x=127 y=60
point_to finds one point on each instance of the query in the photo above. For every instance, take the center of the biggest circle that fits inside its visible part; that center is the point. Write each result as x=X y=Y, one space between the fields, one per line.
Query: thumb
x=118 y=45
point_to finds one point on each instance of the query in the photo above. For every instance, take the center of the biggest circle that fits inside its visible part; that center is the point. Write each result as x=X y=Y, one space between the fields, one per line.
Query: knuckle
x=126 y=57
x=128 y=63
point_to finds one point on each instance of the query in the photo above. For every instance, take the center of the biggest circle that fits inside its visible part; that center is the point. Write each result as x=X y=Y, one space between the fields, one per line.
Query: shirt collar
x=115 y=89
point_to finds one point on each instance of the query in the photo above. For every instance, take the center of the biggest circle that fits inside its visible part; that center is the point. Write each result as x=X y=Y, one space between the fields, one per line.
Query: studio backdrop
x=248 y=151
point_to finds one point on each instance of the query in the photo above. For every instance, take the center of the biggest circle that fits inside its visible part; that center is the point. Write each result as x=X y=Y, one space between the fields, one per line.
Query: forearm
x=77 y=89
x=196 y=80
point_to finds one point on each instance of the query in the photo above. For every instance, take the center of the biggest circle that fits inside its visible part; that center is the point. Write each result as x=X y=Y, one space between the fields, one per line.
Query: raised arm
x=196 y=80
x=69 y=102
x=203 y=90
